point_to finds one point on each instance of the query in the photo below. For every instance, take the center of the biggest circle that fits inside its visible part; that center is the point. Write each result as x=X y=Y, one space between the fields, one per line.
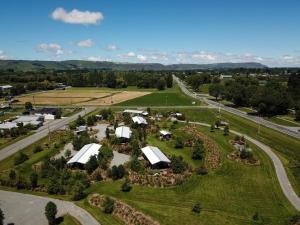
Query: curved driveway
x=25 y=209
x=279 y=169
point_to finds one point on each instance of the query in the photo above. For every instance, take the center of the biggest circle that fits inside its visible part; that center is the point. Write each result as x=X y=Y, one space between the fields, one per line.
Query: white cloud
x=111 y=47
x=77 y=17
x=50 y=48
x=86 y=43
x=141 y=58
x=3 y=56
x=98 y=58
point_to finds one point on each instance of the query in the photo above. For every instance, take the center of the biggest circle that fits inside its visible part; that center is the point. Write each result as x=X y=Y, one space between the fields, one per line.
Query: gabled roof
x=139 y=120
x=85 y=153
x=164 y=132
x=154 y=155
x=123 y=132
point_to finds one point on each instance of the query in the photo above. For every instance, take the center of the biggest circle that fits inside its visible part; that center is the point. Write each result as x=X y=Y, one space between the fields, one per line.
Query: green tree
x=216 y=90
x=50 y=212
x=169 y=80
x=135 y=164
x=20 y=158
x=198 y=150
x=161 y=84
x=126 y=186
x=136 y=151
x=28 y=106
x=178 y=165
x=79 y=121
x=91 y=165
x=33 y=180
x=108 y=205
x=2 y=217
x=226 y=130
x=197 y=208
x=77 y=191
x=12 y=174
x=107 y=133
x=212 y=128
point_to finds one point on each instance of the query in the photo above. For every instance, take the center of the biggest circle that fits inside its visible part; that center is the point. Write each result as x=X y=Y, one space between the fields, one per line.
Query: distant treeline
x=268 y=94
x=47 y=80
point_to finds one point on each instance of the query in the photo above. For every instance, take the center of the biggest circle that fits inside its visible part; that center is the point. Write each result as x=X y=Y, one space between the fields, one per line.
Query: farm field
x=168 y=97
x=234 y=189
x=82 y=96
x=115 y=98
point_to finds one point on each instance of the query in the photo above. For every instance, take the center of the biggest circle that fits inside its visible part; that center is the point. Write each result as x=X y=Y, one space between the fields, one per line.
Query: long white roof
x=141 y=112
x=123 y=132
x=8 y=125
x=139 y=120
x=154 y=155
x=85 y=153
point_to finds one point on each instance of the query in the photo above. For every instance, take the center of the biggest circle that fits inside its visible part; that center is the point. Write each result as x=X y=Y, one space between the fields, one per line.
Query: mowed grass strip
x=231 y=195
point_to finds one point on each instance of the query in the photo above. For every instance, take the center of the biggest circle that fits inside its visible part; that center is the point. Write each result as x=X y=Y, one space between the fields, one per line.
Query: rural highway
x=256 y=119
x=25 y=209
x=42 y=132
x=282 y=177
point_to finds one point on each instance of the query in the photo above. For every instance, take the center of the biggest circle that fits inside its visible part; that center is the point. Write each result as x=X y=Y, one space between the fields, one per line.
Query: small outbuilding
x=49 y=113
x=81 y=129
x=123 y=132
x=165 y=135
x=156 y=158
x=139 y=120
x=84 y=154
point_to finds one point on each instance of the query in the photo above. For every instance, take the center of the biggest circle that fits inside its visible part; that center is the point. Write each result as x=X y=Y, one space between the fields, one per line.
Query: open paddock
x=115 y=98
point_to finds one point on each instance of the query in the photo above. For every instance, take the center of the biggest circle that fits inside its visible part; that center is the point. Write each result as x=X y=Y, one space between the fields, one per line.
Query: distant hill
x=32 y=65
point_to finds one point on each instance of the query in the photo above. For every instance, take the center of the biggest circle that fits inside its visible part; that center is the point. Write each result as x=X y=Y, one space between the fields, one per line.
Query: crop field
x=116 y=98
x=169 y=97
x=230 y=195
x=81 y=96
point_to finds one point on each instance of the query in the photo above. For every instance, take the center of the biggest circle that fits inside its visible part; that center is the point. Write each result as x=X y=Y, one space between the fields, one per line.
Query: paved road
x=42 y=132
x=283 y=129
x=279 y=169
x=24 y=209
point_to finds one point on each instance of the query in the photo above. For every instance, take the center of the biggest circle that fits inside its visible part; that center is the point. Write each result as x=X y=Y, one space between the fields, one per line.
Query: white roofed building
x=139 y=120
x=136 y=112
x=8 y=126
x=165 y=134
x=156 y=158
x=35 y=120
x=123 y=132
x=84 y=154
x=5 y=87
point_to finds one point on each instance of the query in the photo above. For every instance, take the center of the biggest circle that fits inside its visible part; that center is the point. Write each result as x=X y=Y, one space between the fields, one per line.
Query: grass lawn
x=288 y=148
x=69 y=220
x=204 y=88
x=26 y=167
x=284 y=120
x=230 y=195
x=168 y=97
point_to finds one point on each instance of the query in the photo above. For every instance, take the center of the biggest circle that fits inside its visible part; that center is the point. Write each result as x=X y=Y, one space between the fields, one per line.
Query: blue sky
x=190 y=31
